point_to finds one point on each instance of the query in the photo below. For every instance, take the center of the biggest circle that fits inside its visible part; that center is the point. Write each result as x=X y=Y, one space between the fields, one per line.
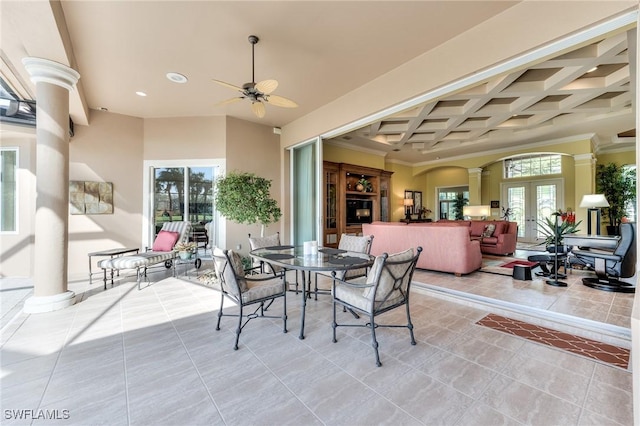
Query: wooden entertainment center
x=348 y=201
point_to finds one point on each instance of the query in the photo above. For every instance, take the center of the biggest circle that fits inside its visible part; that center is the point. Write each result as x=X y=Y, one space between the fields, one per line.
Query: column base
x=37 y=305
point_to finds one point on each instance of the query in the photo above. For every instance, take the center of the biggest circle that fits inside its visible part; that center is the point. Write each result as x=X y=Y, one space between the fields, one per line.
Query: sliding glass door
x=305 y=187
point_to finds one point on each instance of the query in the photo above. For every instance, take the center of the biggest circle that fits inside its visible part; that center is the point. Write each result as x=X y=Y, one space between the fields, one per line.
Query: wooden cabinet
x=353 y=195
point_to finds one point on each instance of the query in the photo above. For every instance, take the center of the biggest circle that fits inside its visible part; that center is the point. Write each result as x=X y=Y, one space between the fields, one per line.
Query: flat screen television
x=359 y=211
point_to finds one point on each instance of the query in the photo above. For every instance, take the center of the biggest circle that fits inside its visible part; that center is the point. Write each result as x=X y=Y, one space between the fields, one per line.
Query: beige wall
x=16 y=249
x=622 y=158
x=113 y=148
x=109 y=150
x=184 y=138
x=339 y=154
x=253 y=148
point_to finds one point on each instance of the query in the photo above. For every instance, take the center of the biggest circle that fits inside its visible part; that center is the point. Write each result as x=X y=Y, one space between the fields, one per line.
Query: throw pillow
x=165 y=240
x=488 y=230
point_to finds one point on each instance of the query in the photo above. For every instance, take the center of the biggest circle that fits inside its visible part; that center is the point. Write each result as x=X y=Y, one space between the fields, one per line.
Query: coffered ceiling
x=582 y=92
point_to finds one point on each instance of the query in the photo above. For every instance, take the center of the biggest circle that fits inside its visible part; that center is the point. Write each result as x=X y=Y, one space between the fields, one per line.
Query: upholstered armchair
x=610 y=266
x=385 y=288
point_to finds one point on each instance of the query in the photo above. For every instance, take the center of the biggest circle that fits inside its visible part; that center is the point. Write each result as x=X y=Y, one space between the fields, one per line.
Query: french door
x=530 y=203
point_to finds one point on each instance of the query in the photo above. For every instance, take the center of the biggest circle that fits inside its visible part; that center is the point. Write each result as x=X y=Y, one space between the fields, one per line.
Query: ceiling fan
x=258 y=93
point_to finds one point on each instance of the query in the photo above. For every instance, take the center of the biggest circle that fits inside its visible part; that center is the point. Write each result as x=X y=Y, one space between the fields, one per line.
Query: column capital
x=475 y=170
x=47 y=71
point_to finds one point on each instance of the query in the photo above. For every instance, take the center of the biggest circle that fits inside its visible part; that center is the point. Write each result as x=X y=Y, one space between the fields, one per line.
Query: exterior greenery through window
x=172 y=201
x=9 y=190
x=448 y=198
x=532 y=165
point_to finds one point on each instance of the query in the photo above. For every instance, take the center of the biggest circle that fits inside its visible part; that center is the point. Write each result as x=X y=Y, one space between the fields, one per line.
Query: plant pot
x=613 y=230
x=185 y=255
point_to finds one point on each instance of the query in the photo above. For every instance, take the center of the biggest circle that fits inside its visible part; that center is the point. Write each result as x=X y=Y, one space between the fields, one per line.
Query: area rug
x=513 y=263
x=603 y=352
x=493 y=265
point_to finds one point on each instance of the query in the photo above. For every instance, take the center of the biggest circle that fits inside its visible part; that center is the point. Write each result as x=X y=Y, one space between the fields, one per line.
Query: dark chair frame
x=232 y=290
x=402 y=283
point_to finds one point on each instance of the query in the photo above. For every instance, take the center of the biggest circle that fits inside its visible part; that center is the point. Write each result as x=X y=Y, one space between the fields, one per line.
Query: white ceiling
x=318 y=51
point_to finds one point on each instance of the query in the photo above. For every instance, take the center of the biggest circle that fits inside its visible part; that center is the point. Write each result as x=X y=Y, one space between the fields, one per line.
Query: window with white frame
x=8 y=189
x=532 y=165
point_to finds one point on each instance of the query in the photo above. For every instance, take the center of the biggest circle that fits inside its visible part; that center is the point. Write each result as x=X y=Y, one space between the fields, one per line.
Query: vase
x=185 y=255
x=360 y=187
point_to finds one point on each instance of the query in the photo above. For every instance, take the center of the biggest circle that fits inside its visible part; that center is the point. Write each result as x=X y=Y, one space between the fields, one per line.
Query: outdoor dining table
x=325 y=260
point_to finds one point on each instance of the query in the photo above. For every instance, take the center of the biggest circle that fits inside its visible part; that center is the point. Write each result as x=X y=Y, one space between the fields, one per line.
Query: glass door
x=306 y=189
x=530 y=203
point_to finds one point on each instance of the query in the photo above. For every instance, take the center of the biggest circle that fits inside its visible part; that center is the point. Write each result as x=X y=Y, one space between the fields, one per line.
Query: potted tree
x=618 y=184
x=245 y=198
x=458 y=206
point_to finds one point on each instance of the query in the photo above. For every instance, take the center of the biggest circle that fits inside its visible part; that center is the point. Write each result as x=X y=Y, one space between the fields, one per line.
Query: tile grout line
x=124 y=361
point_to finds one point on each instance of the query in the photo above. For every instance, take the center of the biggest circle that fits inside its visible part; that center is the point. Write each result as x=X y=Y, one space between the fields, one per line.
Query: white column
x=53 y=82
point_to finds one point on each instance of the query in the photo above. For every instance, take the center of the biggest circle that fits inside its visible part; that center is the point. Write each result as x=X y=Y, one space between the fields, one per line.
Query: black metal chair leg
x=334 y=324
x=239 y=329
x=220 y=311
x=374 y=341
x=410 y=326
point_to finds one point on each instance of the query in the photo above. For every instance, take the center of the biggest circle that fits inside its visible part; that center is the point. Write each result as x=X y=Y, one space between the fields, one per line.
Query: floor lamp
x=593 y=203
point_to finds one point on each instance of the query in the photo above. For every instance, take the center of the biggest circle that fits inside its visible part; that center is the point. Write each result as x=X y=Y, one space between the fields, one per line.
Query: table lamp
x=593 y=203
x=408 y=203
x=476 y=211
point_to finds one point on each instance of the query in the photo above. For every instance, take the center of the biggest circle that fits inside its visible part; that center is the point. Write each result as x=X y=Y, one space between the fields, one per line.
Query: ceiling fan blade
x=258 y=109
x=280 y=101
x=229 y=85
x=230 y=101
x=267 y=86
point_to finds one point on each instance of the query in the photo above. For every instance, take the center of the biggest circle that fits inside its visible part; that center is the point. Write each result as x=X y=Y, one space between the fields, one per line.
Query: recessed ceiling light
x=103 y=109
x=396 y=149
x=593 y=69
x=177 y=77
x=141 y=94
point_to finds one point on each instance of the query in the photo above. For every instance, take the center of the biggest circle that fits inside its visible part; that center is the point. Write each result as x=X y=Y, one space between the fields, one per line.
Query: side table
x=109 y=253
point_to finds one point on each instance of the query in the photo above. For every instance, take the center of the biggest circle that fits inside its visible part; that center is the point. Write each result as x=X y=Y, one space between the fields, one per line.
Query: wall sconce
x=593 y=203
x=476 y=211
x=408 y=203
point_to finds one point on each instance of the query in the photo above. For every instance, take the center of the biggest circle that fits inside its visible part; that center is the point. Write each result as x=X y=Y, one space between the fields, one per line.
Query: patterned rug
x=494 y=265
x=613 y=355
x=513 y=263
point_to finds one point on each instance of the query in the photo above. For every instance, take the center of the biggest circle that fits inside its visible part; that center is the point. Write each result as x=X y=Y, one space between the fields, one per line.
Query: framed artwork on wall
x=408 y=194
x=417 y=201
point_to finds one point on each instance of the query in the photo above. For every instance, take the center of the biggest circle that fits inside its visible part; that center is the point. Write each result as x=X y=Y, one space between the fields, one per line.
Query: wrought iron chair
x=385 y=288
x=611 y=266
x=259 y=266
x=247 y=290
x=353 y=243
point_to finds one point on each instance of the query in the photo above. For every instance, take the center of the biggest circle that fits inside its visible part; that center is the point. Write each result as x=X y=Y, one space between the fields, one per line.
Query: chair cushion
x=236 y=262
x=386 y=280
x=257 y=290
x=165 y=240
x=359 y=244
x=354 y=296
x=268 y=241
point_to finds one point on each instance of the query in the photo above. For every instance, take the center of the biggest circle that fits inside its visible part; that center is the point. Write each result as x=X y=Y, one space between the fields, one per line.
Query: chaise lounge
x=161 y=252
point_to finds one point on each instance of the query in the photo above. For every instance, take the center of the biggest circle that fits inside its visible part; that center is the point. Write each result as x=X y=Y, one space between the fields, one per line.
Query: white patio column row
x=53 y=82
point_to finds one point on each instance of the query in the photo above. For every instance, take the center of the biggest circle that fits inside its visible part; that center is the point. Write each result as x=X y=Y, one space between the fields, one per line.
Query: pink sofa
x=446 y=248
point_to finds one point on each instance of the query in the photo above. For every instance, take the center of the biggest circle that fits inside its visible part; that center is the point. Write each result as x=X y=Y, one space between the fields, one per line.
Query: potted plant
x=553 y=236
x=185 y=250
x=459 y=205
x=364 y=185
x=618 y=184
x=245 y=198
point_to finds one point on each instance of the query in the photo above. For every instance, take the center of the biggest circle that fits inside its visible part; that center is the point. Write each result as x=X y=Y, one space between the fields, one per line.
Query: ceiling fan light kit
x=258 y=93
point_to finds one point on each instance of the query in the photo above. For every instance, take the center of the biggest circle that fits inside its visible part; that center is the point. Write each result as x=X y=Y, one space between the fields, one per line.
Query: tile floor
x=153 y=357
